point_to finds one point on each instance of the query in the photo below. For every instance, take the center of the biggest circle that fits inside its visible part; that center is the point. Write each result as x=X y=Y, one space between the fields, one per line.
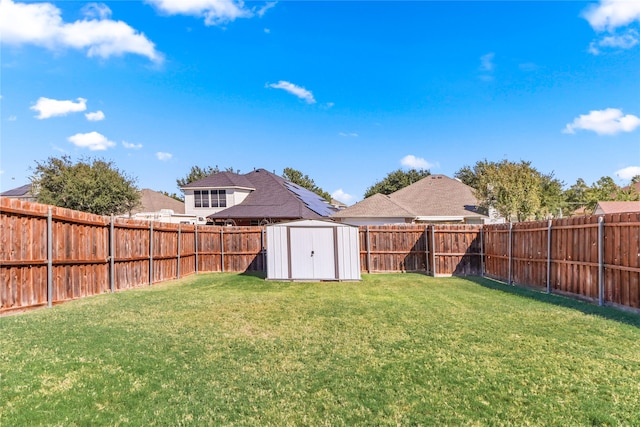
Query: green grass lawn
x=394 y=349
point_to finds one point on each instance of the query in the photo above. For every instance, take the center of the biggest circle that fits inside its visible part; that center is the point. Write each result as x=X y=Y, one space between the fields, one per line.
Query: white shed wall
x=336 y=251
x=277 y=266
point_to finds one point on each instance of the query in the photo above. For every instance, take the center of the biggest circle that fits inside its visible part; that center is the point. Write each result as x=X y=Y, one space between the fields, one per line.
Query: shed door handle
x=312 y=253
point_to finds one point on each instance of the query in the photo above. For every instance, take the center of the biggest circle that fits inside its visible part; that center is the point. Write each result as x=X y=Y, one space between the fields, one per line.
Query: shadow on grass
x=256 y=274
x=585 y=307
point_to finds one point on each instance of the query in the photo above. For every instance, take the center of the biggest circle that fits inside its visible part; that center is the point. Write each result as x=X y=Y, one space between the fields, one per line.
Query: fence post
x=433 y=250
x=195 y=244
x=368 y=243
x=112 y=255
x=263 y=249
x=222 y=250
x=426 y=247
x=49 y=258
x=549 y=256
x=482 y=251
x=510 y=249
x=179 y=234
x=600 y=260
x=151 y=254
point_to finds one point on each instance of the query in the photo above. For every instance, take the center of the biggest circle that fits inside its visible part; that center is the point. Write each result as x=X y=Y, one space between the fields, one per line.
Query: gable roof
x=378 y=205
x=153 y=201
x=21 y=191
x=439 y=195
x=222 y=180
x=616 y=207
x=435 y=196
x=275 y=198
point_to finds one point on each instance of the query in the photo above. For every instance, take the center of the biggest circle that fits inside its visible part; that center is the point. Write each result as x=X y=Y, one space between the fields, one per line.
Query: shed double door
x=312 y=253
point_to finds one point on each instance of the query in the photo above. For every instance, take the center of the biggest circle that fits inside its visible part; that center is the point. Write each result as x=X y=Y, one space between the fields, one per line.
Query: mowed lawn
x=394 y=349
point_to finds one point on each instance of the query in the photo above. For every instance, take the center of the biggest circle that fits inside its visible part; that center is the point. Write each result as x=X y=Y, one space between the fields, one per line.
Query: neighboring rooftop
x=433 y=198
x=23 y=191
x=272 y=197
x=603 y=208
x=222 y=180
x=153 y=201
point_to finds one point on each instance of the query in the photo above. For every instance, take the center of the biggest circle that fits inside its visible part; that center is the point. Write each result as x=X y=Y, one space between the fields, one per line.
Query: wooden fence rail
x=50 y=255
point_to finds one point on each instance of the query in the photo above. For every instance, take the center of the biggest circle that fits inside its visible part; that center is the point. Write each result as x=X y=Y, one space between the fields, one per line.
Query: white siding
x=235 y=196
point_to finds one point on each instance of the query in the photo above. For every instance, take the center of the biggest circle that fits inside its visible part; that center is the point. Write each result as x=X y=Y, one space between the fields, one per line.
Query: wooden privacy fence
x=595 y=258
x=50 y=255
x=441 y=250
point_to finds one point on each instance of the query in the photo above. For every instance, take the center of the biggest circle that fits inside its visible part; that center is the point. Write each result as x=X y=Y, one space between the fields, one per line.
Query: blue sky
x=345 y=92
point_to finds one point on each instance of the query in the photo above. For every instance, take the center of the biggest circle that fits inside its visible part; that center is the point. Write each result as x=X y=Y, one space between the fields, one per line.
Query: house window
x=201 y=198
x=210 y=198
x=218 y=198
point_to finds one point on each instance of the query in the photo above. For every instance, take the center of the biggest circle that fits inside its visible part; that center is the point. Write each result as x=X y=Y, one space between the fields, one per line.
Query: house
x=603 y=208
x=155 y=206
x=23 y=193
x=255 y=198
x=433 y=199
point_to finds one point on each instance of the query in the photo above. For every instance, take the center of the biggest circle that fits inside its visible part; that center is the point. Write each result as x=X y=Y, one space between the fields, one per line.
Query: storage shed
x=313 y=250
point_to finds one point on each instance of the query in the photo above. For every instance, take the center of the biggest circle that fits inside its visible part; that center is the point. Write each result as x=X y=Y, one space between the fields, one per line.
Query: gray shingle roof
x=17 y=192
x=270 y=199
x=222 y=180
x=153 y=201
x=378 y=205
x=432 y=196
x=438 y=195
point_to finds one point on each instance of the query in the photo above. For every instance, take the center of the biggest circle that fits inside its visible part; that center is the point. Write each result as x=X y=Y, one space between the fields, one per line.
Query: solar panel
x=311 y=200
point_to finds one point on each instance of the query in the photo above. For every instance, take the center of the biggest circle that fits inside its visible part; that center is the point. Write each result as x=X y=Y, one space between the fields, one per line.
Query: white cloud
x=41 y=24
x=416 y=162
x=12 y=118
x=94 y=141
x=628 y=172
x=613 y=42
x=163 y=156
x=214 y=12
x=603 y=122
x=131 y=146
x=611 y=14
x=341 y=196
x=96 y=10
x=486 y=62
x=298 y=91
x=47 y=107
x=95 y=117
x=351 y=134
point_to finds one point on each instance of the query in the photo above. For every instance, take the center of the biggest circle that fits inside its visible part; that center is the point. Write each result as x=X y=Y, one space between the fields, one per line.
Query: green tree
x=396 y=180
x=304 y=181
x=552 y=201
x=90 y=185
x=514 y=190
x=576 y=196
x=196 y=173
